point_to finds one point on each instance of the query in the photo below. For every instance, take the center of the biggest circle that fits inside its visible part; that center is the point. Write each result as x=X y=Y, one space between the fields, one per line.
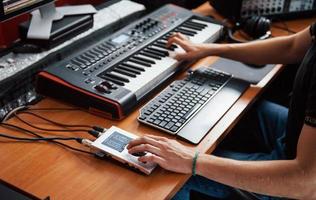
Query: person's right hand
x=192 y=51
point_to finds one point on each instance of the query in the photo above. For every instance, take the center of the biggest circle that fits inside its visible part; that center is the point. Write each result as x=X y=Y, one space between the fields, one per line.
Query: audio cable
x=41 y=138
x=95 y=131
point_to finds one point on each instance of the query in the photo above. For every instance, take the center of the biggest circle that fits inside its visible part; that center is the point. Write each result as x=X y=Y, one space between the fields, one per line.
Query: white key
x=209 y=33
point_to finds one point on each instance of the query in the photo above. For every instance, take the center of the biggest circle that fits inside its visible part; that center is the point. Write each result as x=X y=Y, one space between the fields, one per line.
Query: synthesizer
x=112 y=76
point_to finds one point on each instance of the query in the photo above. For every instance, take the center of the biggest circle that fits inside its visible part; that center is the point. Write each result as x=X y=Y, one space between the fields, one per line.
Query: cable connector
x=99 y=129
x=95 y=133
x=86 y=142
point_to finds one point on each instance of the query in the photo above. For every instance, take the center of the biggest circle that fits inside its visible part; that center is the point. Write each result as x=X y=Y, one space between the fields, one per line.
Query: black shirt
x=303 y=103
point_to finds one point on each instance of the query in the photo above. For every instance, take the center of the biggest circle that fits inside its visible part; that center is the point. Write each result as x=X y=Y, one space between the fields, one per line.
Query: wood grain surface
x=45 y=169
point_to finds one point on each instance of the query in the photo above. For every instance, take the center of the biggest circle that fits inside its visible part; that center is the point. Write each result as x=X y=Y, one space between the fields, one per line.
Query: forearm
x=285 y=50
x=277 y=178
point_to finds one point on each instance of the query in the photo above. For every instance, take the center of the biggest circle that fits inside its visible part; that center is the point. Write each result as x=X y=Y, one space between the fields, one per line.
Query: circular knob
x=101 y=88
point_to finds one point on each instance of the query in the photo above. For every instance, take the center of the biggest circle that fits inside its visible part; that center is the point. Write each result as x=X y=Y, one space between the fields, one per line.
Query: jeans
x=264 y=128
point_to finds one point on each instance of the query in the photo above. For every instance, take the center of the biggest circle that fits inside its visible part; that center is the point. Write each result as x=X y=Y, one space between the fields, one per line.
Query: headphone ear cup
x=250 y=26
x=263 y=27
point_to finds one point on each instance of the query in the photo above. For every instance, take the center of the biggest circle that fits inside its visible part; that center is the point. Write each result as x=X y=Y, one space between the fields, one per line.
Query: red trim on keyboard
x=91 y=109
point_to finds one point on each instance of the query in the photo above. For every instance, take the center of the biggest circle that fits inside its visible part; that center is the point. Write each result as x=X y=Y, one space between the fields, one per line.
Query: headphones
x=257 y=27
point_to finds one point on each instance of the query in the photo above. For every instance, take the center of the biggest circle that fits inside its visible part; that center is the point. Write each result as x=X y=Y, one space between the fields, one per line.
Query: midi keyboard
x=112 y=76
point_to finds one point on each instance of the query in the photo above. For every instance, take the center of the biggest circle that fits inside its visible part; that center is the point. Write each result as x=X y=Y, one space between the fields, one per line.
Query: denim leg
x=205 y=186
x=272 y=124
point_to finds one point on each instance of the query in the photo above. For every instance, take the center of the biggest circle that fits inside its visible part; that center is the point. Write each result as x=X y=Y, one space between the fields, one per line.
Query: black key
x=196 y=24
x=189 y=31
x=173 y=47
x=192 y=27
x=120 y=78
x=185 y=32
x=139 y=62
x=150 y=55
x=128 y=69
x=134 y=67
x=163 y=46
x=122 y=71
x=113 y=80
x=154 y=52
x=166 y=53
x=144 y=60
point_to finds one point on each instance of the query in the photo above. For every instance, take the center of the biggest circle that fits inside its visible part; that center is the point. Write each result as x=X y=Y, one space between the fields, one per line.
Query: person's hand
x=169 y=154
x=192 y=51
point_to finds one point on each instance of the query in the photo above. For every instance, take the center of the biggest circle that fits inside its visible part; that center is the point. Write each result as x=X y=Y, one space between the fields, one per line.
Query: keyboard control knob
x=108 y=84
x=101 y=88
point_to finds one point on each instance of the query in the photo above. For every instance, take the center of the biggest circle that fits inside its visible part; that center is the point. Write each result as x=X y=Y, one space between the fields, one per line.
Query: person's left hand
x=169 y=154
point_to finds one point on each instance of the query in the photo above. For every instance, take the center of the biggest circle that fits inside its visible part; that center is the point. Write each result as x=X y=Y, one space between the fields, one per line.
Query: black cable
x=54 y=109
x=54 y=122
x=39 y=136
x=40 y=139
x=50 y=130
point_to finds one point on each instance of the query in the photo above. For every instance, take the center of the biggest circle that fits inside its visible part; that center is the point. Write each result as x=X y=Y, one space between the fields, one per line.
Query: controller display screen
x=117 y=141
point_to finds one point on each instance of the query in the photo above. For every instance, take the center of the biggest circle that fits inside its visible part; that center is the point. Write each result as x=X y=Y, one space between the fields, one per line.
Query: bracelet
x=196 y=155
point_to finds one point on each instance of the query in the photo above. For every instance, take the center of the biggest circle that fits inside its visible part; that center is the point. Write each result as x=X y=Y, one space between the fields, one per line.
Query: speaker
x=256 y=27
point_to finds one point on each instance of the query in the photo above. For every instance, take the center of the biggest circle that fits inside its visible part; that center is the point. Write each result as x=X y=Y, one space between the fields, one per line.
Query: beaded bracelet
x=196 y=155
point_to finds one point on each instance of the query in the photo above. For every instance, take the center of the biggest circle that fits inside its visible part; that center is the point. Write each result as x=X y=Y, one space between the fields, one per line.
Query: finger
x=183 y=37
x=143 y=140
x=182 y=43
x=153 y=159
x=145 y=148
x=179 y=35
x=159 y=138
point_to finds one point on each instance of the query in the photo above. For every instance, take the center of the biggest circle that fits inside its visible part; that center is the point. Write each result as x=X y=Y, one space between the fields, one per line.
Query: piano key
x=142 y=58
x=151 y=76
x=151 y=51
x=124 y=72
x=189 y=30
x=209 y=32
x=162 y=46
x=164 y=42
x=162 y=52
x=134 y=66
x=118 y=77
x=129 y=69
x=196 y=23
x=133 y=60
x=188 y=33
x=192 y=27
x=150 y=55
x=112 y=80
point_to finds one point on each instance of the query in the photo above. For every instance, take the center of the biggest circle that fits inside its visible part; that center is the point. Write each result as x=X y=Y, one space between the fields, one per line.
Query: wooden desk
x=47 y=169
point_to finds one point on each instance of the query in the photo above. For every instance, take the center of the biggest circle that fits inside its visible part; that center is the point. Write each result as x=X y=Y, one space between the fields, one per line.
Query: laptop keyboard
x=179 y=102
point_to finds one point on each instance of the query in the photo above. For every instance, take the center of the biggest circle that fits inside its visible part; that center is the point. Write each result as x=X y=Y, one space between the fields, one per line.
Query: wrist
x=202 y=160
x=194 y=162
x=217 y=49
